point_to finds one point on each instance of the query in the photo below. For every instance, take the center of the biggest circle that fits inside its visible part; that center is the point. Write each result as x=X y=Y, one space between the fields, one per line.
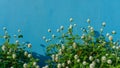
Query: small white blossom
x=44 y=37
x=5 y=37
x=58 y=65
x=90 y=58
x=84 y=62
x=113 y=47
x=53 y=36
x=74 y=45
x=113 y=32
x=78 y=60
x=25 y=65
x=37 y=66
x=61 y=27
x=25 y=53
x=110 y=38
x=19 y=30
x=63 y=64
x=107 y=34
x=92 y=65
x=75 y=25
x=63 y=47
x=83 y=36
x=49 y=30
x=103 y=59
x=47 y=40
x=70 y=27
x=76 y=57
x=17 y=41
x=29 y=45
x=34 y=63
x=97 y=60
x=101 y=30
x=71 y=19
x=29 y=55
x=106 y=54
x=58 y=30
x=88 y=20
x=4 y=48
x=68 y=62
x=109 y=61
x=103 y=24
x=4 y=28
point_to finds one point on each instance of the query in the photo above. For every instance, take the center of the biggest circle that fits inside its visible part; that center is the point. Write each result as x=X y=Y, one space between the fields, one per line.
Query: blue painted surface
x=34 y=17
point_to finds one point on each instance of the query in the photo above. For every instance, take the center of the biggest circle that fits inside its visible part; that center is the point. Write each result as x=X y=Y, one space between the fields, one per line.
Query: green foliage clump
x=16 y=55
x=91 y=49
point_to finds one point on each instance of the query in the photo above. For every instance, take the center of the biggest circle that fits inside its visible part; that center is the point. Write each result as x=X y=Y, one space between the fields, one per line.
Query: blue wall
x=34 y=17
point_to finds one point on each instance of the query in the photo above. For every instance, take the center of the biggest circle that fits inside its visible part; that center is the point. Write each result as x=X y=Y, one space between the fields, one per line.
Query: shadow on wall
x=42 y=58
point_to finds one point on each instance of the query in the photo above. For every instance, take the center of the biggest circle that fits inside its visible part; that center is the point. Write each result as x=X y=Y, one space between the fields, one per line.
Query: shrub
x=91 y=49
x=16 y=55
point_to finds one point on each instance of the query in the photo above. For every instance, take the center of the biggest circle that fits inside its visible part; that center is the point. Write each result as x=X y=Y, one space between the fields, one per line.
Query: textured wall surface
x=34 y=17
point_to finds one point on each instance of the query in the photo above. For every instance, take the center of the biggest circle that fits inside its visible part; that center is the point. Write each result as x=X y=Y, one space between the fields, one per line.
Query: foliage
x=88 y=50
x=16 y=55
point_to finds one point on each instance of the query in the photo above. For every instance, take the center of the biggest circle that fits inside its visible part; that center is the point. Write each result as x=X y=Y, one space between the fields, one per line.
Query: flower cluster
x=17 y=54
x=86 y=50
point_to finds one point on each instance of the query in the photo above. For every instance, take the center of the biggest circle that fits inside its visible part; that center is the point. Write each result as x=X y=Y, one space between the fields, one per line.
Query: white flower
x=117 y=47
x=75 y=25
x=71 y=19
x=97 y=60
x=107 y=34
x=60 y=51
x=49 y=30
x=113 y=47
x=58 y=30
x=4 y=48
x=4 y=28
x=74 y=45
x=56 y=58
x=78 y=60
x=68 y=62
x=88 y=20
x=53 y=57
x=76 y=57
x=103 y=24
x=11 y=67
x=34 y=63
x=25 y=53
x=101 y=30
x=25 y=65
x=44 y=37
x=53 y=36
x=17 y=41
x=106 y=54
x=84 y=62
x=29 y=55
x=29 y=45
x=92 y=65
x=46 y=66
x=61 y=27
x=19 y=30
x=113 y=32
x=90 y=58
x=5 y=37
x=70 y=27
x=58 y=65
x=14 y=56
x=63 y=47
x=83 y=36
x=103 y=59
x=109 y=61
x=66 y=67
x=63 y=64
x=37 y=66
x=14 y=36
x=89 y=27
x=47 y=40
x=110 y=38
